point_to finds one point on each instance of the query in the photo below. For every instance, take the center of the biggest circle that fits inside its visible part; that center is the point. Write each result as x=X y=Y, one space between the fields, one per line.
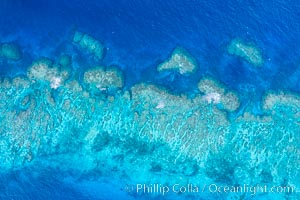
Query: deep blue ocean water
x=149 y=30
x=138 y=36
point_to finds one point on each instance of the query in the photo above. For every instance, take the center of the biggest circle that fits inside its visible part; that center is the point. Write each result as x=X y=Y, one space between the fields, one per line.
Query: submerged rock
x=89 y=43
x=10 y=51
x=65 y=60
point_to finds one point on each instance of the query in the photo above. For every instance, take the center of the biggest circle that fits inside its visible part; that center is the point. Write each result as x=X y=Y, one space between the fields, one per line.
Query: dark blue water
x=138 y=36
x=41 y=183
x=141 y=34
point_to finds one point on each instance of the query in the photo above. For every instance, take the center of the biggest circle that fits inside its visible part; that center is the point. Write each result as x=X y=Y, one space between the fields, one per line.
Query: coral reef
x=270 y=161
x=89 y=43
x=99 y=79
x=246 y=51
x=10 y=51
x=146 y=134
x=285 y=100
x=188 y=121
x=216 y=93
x=181 y=61
x=45 y=72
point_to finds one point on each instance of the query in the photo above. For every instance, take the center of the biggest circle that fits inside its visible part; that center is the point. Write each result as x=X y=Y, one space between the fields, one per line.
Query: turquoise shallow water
x=94 y=117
